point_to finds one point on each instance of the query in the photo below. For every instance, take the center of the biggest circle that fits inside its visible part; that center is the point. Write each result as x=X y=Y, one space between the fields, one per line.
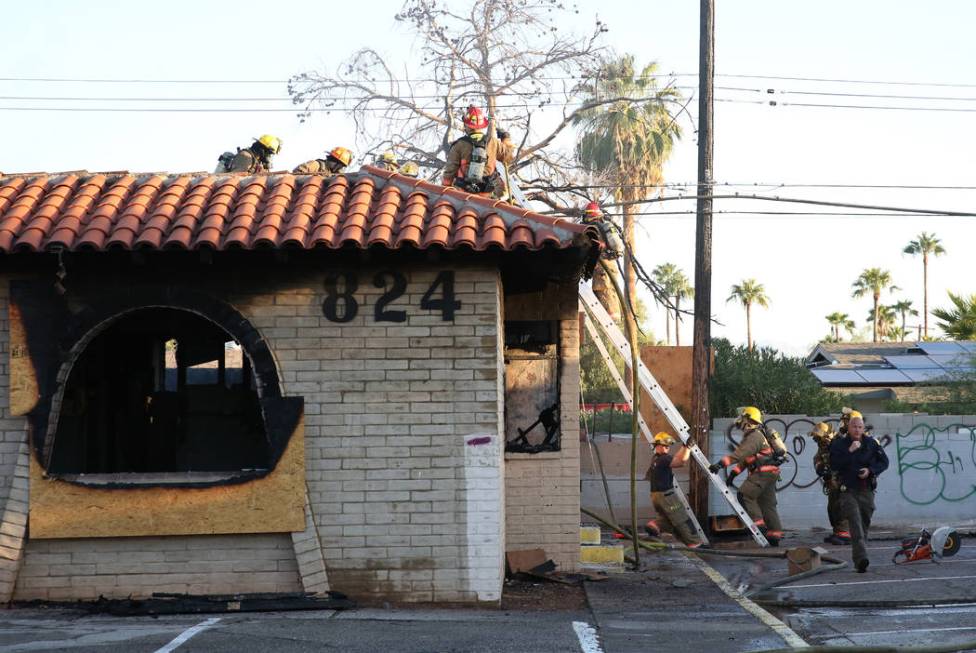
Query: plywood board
x=672 y=367
x=23 y=379
x=273 y=504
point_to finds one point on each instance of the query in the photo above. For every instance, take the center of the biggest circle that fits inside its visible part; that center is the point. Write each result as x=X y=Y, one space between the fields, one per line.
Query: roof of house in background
x=81 y=211
x=891 y=364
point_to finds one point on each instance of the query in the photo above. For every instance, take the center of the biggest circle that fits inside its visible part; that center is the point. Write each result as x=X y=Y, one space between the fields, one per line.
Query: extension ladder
x=645 y=429
x=650 y=385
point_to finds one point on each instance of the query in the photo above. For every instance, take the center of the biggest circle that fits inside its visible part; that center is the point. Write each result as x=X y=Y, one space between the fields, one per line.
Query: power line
x=346 y=97
x=795 y=200
x=845 y=214
x=847 y=81
x=71 y=80
x=773 y=186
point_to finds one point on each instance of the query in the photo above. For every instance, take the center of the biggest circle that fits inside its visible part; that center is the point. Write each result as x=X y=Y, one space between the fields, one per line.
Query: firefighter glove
x=714 y=467
x=502 y=134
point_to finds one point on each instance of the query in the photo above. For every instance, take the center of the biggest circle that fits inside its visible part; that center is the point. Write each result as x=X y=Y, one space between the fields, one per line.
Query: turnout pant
x=835 y=513
x=858 y=507
x=758 y=497
x=673 y=518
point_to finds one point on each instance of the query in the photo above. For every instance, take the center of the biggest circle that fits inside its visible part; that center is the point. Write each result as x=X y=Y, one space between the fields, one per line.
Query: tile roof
x=372 y=207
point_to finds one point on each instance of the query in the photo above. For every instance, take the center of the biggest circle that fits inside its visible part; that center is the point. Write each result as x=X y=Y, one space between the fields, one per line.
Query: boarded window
x=532 y=386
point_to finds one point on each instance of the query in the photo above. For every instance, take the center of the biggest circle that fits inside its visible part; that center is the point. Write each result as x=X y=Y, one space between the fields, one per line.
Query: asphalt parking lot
x=406 y=631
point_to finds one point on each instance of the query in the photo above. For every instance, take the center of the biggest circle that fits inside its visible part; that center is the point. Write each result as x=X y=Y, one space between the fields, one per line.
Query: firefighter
x=410 y=169
x=334 y=163
x=602 y=284
x=387 y=161
x=671 y=514
x=761 y=454
x=823 y=434
x=471 y=161
x=253 y=159
x=857 y=460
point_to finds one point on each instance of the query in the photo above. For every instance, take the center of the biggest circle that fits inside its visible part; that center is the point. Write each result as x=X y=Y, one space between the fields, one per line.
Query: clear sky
x=807 y=263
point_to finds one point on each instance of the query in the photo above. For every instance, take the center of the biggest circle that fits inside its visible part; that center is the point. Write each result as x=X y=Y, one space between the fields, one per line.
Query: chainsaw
x=943 y=543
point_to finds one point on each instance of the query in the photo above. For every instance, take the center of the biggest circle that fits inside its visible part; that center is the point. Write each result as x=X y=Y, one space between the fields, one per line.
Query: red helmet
x=593 y=210
x=474 y=118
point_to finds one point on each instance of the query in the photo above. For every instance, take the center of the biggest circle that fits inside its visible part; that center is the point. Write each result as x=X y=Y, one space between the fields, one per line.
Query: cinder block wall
x=405 y=508
x=138 y=566
x=929 y=481
x=542 y=491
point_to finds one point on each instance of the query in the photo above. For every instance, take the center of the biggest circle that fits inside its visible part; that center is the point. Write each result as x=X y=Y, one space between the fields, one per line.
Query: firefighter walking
x=761 y=455
x=671 y=514
x=857 y=459
x=823 y=435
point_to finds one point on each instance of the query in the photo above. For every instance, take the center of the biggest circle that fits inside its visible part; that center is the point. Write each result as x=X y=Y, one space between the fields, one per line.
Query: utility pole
x=701 y=356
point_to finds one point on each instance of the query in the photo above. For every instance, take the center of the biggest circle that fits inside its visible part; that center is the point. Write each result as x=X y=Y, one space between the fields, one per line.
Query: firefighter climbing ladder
x=650 y=385
x=640 y=420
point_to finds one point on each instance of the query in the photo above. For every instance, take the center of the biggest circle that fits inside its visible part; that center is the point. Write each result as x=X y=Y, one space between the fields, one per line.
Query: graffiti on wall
x=933 y=465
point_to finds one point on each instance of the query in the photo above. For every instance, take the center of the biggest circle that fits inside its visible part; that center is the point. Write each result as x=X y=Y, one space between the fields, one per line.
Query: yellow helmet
x=388 y=157
x=273 y=143
x=820 y=429
x=752 y=413
x=410 y=169
x=854 y=414
x=342 y=155
x=664 y=439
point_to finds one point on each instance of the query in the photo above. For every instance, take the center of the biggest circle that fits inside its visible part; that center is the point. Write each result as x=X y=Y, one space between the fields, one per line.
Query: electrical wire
x=298 y=79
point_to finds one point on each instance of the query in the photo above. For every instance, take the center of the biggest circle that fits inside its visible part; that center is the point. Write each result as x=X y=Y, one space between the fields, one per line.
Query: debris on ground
x=166 y=604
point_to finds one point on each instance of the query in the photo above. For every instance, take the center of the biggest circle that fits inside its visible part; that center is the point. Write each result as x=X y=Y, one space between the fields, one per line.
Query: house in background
x=876 y=373
x=215 y=384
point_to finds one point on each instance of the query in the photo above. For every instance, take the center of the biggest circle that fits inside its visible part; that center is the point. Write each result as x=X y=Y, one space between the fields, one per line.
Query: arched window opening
x=160 y=390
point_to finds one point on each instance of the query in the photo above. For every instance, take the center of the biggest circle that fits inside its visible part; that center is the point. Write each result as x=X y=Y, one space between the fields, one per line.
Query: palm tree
x=747 y=293
x=905 y=308
x=628 y=141
x=925 y=244
x=873 y=280
x=886 y=321
x=959 y=322
x=838 y=320
x=682 y=289
x=664 y=276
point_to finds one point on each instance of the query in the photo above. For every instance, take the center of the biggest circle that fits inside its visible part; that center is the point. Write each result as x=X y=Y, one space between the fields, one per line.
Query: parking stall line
x=187 y=634
x=588 y=641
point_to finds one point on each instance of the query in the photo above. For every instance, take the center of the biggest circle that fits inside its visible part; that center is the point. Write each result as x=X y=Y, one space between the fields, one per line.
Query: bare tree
x=507 y=55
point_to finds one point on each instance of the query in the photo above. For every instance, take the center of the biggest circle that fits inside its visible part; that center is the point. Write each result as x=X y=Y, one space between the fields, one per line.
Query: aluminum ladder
x=645 y=429
x=601 y=318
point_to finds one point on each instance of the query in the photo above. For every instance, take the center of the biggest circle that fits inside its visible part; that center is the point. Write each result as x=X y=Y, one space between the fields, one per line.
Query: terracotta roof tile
x=369 y=208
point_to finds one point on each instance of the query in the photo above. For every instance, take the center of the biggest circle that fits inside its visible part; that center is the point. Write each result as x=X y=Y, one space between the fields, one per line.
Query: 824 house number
x=340 y=304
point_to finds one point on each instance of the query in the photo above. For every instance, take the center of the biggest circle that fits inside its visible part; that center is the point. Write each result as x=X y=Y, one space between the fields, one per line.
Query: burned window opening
x=142 y=398
x=532 y=386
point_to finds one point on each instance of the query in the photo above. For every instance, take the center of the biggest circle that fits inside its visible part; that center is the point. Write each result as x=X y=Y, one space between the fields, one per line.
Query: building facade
x=216 y=384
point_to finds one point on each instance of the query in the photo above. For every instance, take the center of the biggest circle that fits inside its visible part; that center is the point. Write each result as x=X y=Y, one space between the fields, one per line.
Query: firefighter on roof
x=671 y=514
x=387 y=161
x=472 y=159
x=253 y=159
x=410 y=169
x=761 y=453
x=336 y=161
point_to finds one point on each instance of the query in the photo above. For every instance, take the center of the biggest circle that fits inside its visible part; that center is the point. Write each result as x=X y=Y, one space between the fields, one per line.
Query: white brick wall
x=403 y=507
x=542 y=497
x=138 y=566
